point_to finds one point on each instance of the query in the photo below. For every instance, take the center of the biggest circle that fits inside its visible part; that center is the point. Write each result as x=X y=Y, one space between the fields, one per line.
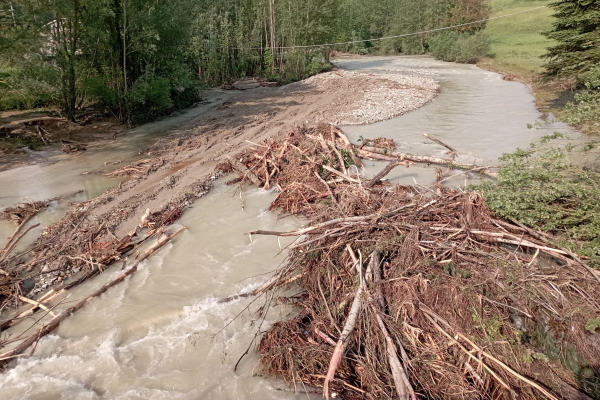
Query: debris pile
x=408 y=294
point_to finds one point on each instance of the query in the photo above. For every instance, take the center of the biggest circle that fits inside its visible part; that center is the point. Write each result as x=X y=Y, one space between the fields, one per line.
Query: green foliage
x=31 y=85
x=584 y=112
x=592 y=325
x=542 y=189
x=460 y=47
x=10 y=143
x=577 y=31
x=141 y=59
x=517 y=43
x=363 y=20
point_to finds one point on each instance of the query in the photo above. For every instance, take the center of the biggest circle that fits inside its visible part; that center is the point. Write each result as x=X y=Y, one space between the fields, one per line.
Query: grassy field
x=517 y=44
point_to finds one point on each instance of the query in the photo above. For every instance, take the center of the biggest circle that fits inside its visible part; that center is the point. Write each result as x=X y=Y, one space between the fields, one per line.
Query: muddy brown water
x=158 y=335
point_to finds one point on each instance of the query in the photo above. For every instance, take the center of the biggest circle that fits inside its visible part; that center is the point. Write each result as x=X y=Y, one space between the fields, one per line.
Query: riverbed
x=162 y=334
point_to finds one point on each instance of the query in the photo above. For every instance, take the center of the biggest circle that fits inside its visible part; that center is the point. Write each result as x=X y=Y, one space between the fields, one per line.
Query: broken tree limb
x=340 y=174
x=346 y=144
x=453 y=152
x=41 y=135
x=46 y=298
x=377 y=279
x=245 y=171
x=478 y=350
x=505 y=238
x=304 y=231
x=342 y=342
x=21 y=225
x=55 y=322
x=379 y=154
x=275 y=281
x=37 y=304
x=12 y=245
x=393 y=164
x=403 y=387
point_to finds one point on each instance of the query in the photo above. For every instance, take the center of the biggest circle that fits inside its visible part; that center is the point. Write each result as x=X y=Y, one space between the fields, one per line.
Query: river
x=162 y=334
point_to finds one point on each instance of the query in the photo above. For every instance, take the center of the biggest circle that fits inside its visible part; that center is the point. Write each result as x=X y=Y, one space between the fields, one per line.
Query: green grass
x=516 y=41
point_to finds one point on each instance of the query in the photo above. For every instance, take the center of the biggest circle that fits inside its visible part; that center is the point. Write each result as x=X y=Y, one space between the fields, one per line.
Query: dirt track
x=180 y=168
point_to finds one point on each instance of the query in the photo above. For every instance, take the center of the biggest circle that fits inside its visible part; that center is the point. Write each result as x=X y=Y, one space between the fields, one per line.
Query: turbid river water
x=158 y=335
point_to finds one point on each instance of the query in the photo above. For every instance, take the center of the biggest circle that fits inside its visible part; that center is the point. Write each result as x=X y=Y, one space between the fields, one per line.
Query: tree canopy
x=577 y=31
x=140 y=59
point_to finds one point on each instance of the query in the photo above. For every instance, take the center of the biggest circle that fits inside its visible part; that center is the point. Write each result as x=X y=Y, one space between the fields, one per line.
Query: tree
x=577 y=31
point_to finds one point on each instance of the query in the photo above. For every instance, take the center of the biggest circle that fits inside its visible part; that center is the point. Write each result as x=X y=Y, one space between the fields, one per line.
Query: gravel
x=366 y=98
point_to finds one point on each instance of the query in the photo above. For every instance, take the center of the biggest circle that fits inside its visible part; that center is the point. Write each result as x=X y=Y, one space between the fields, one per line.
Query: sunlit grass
x=517 y=42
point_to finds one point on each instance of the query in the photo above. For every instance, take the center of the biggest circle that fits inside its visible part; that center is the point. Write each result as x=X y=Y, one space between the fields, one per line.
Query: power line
x=395 y=36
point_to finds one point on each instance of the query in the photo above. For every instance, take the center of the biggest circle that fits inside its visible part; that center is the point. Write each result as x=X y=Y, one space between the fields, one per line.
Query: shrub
x=460 y=47
x=542 y=189
x=149 y=98
x=584 y=112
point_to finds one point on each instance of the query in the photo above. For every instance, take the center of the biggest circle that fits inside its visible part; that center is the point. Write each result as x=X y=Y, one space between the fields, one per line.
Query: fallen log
x=55 y=322
x=45 y=298
x=379 y=154
x=342 y=342
x=453 y=152
x=393 y=164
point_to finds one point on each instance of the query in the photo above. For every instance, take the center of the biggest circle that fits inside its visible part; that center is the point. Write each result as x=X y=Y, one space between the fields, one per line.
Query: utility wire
x=395 y=36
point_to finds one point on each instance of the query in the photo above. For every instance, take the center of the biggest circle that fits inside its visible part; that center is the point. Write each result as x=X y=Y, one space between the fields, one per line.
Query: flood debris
x=66 y=254
x=135 y=169
x=163 y=237
x=408 y=294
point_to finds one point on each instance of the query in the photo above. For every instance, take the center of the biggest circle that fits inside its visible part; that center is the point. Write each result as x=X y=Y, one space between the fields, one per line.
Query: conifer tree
x=577 y=31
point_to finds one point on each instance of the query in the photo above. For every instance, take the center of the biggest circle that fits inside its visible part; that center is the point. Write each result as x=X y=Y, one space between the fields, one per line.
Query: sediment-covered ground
x=179 y=169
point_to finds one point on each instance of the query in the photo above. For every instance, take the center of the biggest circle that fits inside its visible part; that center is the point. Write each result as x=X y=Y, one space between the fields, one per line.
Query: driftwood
x=379 y=154
x=453 y=152
x=41 y=135
x=342 y=342
x=13 y=243
x=378 y=335
x=37 y=304
x=45 y=298
x=403 y=387
x=55 y=322
x=393 y=164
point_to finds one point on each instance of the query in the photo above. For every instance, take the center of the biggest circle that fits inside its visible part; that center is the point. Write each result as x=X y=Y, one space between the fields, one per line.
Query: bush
x=297 y=65
x=28 y=87
x=460 y=47
x=542 y=189
x=149 y=98
x=584 y=112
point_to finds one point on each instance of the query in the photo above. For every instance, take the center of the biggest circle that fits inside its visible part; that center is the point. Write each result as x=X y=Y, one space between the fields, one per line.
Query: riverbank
x=175 y=171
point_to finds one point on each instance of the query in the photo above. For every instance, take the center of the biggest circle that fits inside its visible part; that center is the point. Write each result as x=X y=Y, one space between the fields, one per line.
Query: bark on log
x=376 y=153
x=377 y=279
x=384 y=172
x=453 y=151
x=342 y=342
x=55 y=322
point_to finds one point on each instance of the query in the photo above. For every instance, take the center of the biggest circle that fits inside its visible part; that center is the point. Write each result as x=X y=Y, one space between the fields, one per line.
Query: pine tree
x=577 y=31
